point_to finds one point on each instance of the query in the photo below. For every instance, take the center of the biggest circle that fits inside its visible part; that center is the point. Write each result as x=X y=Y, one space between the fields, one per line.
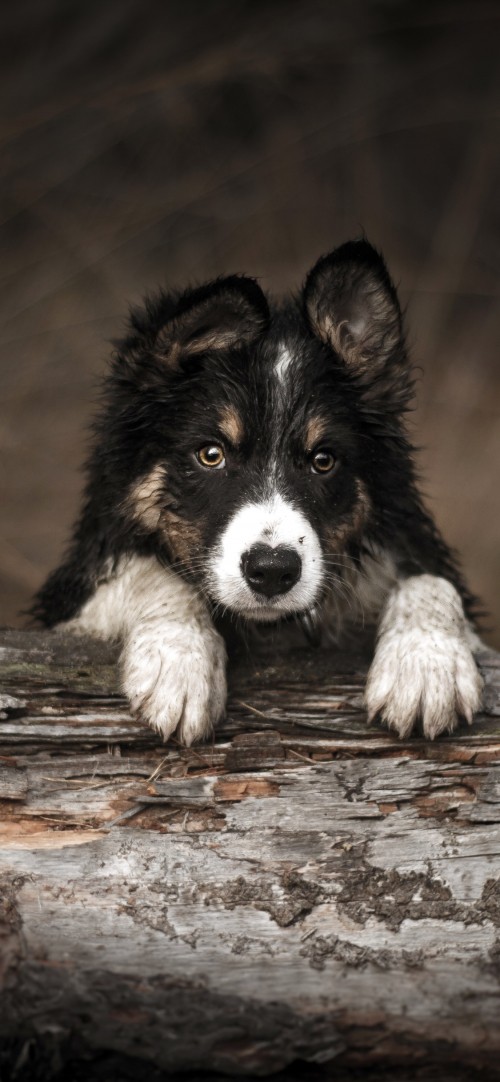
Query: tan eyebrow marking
x=315 y=431
x=231 y=425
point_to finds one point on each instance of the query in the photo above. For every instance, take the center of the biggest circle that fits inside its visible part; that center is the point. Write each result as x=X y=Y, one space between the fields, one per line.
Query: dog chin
x=264 y=612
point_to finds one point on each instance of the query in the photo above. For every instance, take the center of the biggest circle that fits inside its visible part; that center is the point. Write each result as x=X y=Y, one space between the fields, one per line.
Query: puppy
x=251 y=457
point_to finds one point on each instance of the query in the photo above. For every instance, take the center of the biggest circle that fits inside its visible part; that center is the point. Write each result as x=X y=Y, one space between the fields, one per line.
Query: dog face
x=249 y=430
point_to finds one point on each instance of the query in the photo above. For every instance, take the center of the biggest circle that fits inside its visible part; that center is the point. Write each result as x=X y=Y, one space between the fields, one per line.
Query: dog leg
x=424 y=665
x=173 y=660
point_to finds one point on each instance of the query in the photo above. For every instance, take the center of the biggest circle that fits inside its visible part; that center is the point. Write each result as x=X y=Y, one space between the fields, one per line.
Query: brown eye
x=323 y=462
x=211 y=456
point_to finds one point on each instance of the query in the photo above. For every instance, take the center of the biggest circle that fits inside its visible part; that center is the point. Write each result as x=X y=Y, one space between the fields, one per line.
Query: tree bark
x=304 y=887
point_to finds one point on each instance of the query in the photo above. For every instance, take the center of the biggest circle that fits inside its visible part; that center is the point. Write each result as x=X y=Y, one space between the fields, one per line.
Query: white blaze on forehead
x=283 y=363
x=272 y=522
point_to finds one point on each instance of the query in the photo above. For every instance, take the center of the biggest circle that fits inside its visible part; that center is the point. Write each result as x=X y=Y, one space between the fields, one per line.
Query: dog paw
x=174 y=678
x=423 y=675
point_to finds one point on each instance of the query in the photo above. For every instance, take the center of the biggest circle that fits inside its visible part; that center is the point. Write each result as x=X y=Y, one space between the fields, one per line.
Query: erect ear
x=351 y=304
x=226 y=313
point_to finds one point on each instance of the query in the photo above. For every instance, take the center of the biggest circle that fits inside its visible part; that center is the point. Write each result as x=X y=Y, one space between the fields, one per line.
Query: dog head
x=251 y=438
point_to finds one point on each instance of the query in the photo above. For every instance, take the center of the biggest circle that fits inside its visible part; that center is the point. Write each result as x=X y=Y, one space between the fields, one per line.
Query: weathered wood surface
x=303 y=887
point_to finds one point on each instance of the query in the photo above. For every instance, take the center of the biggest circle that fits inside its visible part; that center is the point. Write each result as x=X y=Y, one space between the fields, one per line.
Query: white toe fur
x=173 y=660
x=423 y=666
x=174 y=678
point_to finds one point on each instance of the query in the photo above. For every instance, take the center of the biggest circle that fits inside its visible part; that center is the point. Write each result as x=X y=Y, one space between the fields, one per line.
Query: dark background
x=146 y=143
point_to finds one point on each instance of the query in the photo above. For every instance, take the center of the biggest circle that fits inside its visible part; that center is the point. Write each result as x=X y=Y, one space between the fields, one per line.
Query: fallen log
x=303 y=887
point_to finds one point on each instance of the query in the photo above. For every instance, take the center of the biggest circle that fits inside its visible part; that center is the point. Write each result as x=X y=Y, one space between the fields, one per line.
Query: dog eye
x=323 y=462
x=211 y=456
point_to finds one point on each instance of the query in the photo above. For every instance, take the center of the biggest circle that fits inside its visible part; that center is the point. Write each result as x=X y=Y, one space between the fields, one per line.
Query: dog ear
x=229 y=312
x=352 y=305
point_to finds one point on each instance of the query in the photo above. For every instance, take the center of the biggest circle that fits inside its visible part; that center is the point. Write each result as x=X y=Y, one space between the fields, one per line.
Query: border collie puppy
x=251 y=458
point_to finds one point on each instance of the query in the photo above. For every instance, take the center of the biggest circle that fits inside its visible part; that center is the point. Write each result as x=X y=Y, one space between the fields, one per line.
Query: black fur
x=187 y=355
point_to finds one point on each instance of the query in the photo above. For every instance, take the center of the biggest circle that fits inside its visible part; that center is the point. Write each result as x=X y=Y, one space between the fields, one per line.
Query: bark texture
x=304 y=887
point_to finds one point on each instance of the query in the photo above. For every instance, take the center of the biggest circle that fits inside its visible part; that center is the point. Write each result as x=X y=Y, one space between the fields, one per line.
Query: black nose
x=271 y=571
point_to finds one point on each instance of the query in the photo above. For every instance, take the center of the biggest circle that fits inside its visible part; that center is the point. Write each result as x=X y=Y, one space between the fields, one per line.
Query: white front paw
x=429 y=675
x=174 y=677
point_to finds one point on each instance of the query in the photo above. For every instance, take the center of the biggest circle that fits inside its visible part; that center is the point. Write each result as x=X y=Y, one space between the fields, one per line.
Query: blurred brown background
x=147 y=143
